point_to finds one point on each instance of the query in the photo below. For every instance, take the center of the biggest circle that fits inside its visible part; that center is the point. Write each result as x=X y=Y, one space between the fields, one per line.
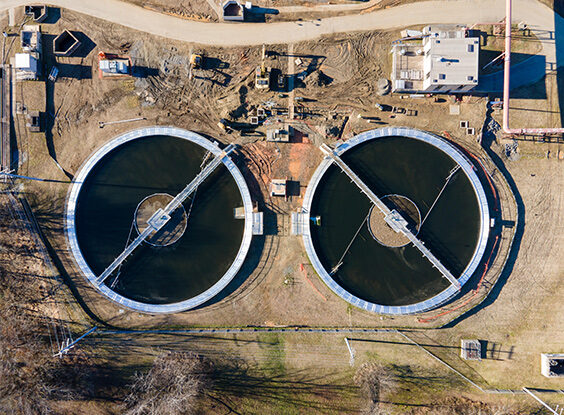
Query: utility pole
x=101 y=124
x=69 y=346
x=4 y=35
x=351 y=351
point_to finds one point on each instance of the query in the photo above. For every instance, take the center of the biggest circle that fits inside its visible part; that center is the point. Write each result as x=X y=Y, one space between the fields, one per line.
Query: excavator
x=262 y=74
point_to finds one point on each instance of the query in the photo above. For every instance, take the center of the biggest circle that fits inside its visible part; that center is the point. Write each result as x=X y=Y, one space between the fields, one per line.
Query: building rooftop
x=23 y=60
x=278 y=187
x=407 y=67
x=26 y=66
x=114 y=66
x=470 y=349
x=451 y=61
x=444 y=61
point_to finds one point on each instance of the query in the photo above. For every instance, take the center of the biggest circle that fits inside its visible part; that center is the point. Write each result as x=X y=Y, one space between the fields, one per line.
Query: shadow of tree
x=300 y=389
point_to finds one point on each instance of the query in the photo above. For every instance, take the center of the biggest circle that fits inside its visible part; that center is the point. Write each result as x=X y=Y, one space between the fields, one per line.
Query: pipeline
x=494 y=191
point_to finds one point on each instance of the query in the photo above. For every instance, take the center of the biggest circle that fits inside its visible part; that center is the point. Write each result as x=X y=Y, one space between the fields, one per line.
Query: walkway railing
x=399 y=224
x=166 y=213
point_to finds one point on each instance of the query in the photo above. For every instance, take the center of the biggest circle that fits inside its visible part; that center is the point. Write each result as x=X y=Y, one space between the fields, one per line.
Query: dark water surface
x=395 y=276
x=107 y=203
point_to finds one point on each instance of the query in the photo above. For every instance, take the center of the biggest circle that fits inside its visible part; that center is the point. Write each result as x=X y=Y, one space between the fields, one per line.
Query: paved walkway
x=539 y=17
x=363 y=5
x=233 y=34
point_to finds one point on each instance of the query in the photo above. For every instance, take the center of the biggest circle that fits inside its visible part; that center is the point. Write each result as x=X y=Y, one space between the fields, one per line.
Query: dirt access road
x=538 y=16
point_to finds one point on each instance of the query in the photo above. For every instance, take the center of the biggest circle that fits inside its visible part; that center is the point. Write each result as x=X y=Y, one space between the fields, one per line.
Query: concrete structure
x=552 y=364
x=26 y=66
x=65 y=44
x=161 y=217
x=70 y=220
x=233 y=11
x=298 y=222
x=484 y=214
x=392 y=217
x=33 y=121
x=30 y=38
x=38 y=13
x=279 y=135
x=470 y=349
x=278 y=187
x=258 y=223
x=445 y=62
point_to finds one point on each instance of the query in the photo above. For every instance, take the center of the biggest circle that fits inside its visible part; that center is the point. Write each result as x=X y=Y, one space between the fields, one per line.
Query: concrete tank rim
x=468 y=168
x=74 y=192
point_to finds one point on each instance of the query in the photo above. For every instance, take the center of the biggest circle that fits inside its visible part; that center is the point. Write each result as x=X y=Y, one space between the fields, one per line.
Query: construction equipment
x=262 y=74
x=281 y=82
x=196 y=60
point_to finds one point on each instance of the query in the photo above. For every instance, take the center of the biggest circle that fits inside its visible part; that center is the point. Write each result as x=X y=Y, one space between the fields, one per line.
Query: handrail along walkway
x=392 y=217
x=164 y=214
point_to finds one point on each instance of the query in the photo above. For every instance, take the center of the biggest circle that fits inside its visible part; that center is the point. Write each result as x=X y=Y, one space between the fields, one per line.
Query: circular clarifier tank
x=187 y=252
x=426 y=239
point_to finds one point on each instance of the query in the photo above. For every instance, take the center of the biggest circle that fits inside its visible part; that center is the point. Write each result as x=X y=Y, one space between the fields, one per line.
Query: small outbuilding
x=233 y=11
x=26 y=66
x=470 y=349
x=278 y=187
x=552 y=364
x=114 y=66
x=38 y=13
x=30 y=38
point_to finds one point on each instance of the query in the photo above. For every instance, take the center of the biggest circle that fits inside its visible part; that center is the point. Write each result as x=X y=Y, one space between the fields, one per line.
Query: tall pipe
x=506 y=79
x=507 y=66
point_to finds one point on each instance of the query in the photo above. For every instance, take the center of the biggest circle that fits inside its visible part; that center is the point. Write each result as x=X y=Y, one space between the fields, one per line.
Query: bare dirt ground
x=338 y=100
x=266 y=10
x=187 y=9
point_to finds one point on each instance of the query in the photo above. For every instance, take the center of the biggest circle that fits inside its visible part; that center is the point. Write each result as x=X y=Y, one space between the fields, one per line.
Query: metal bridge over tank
x=466 y=168
x=392 y=217
x=140 y=133
x=161 y=217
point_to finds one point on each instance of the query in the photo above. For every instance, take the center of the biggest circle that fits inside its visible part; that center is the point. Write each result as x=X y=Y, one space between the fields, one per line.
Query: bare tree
x=31 y=380
x=21 y=351
x=376 y=381
x=172 y=386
